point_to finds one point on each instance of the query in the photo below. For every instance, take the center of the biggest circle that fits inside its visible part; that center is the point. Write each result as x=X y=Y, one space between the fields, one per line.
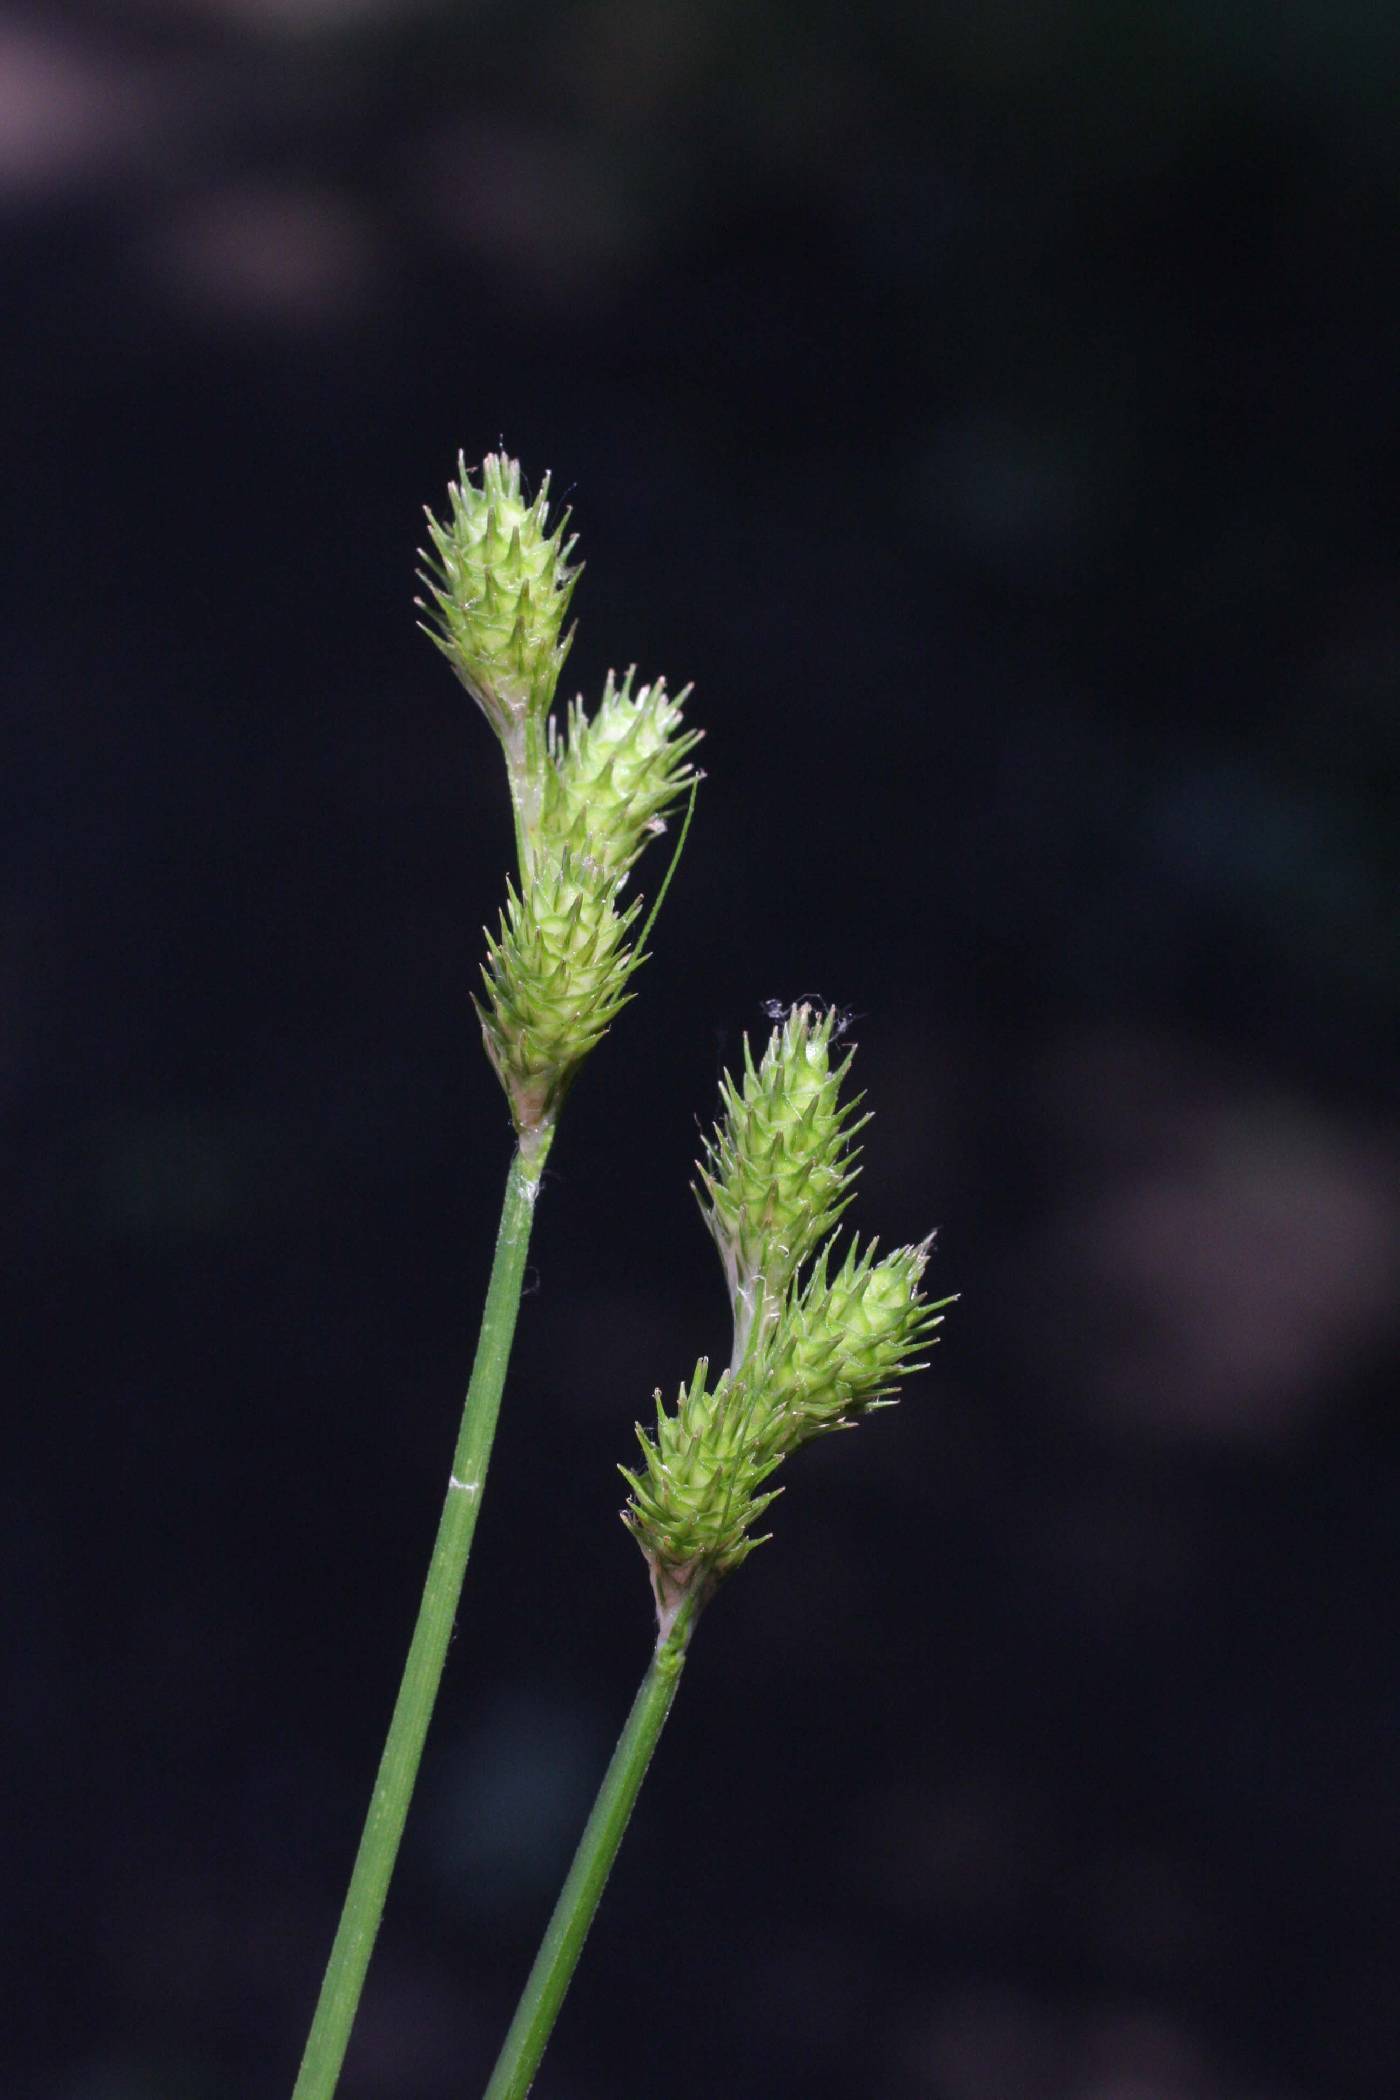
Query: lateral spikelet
x=844 y=1342
x=693 y=1505
x=615 y=775
x=555 y=979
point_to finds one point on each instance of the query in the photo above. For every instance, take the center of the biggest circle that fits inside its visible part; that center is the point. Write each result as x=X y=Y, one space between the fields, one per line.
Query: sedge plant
x=588 y=795
x=821 y=1338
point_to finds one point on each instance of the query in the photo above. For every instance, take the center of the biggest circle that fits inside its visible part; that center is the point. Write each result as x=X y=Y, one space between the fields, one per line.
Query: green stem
x=398 y=1767
x=525 y=750
x=578 y=1899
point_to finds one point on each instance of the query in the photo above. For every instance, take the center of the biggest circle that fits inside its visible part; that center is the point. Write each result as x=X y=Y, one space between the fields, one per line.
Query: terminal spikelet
x=499 y=584
x=777 y=1172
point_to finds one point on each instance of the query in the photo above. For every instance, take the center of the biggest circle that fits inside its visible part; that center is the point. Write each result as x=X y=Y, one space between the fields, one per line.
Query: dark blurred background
x=992 y=409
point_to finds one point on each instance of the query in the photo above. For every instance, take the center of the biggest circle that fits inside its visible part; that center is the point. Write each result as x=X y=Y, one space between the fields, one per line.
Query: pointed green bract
x=499 y=585
x=615 y=776
x=556 y=978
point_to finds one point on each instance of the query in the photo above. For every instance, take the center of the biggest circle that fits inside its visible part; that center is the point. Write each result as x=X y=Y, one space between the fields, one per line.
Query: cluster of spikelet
x=815 y=1345
x=813 y=1350
x=587 y=801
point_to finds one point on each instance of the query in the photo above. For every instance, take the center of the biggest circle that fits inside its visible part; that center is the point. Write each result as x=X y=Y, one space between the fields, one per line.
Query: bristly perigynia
x=587 y=798
x=814 y=1349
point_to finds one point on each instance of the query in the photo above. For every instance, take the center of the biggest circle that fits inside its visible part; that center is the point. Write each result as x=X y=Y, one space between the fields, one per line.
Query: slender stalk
x=521 y=754
x=403 y=1748
x=567 y=1930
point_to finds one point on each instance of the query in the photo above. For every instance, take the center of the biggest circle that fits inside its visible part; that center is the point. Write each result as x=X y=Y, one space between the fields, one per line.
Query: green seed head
x=614 y=777
x=499 y=586
x=824 y=1349
x=556 y=978
x=697 y=1497
x=839 y=1347
x=777 y=1172
x=843 y=1342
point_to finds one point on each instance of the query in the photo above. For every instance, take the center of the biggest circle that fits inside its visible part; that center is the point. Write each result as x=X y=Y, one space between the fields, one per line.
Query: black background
x=992 y=410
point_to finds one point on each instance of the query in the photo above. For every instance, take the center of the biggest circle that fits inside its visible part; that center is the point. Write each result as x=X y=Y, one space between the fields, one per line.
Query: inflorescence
x=817 y=1341
x=816 y=1346
x=587 y=799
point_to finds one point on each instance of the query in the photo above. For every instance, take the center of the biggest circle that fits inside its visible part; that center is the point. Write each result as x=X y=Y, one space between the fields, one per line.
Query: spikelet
x=555 y=978
x=693 y=1505
x=499 y=585
x=843 y=1342
x=614 y=776
x=778 y=1170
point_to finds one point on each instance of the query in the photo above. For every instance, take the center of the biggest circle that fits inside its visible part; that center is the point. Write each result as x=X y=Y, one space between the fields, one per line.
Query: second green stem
x=567 y=1930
